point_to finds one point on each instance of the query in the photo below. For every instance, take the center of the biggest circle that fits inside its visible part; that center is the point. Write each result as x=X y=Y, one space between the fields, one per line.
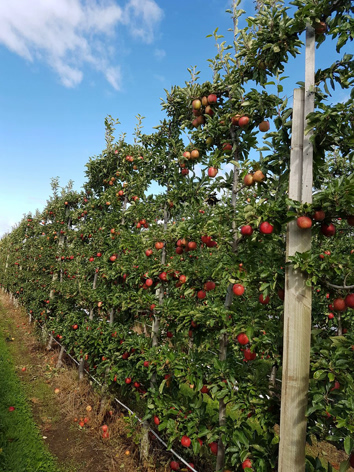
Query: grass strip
x=21 y=445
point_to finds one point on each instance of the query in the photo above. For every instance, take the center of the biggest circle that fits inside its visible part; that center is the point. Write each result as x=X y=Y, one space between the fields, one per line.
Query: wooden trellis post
x=298 y=297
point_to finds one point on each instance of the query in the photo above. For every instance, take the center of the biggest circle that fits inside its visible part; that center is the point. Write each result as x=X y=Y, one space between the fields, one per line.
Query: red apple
x=304 y=222
x=336 y=386
x=330 y=316
x=242 y=338
x=350 y=220
x=148 y=252
x=174 y=465
x=320 y=27
x=234 y=120
x=246 y=230
x=201 y=294
x=209 y=286
x=113 y=258
x=212 y=171
x=238 y=289
x=149 y=282
x=243 y=121
x=185 y=441
x=349 y=300
x=319 y=215
x=195 y=154
x=247 y=464
x=200 y=120
x=209 y=111
x=351 y=459
x=266 y=228
x=214 y=448
x=212 y=98
x=262 y=300
x=264 y=126
x=156 y=420
x=227 y=147
x=328 y=230
x=339 y=304
x=248 y=180
x=249 y=356
x=258 y=176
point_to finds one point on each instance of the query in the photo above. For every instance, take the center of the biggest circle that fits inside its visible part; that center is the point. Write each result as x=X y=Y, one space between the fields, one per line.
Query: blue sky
x=68 y=64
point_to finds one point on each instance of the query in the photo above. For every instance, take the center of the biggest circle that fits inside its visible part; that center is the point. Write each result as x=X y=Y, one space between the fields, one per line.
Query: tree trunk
x=60 y=358
x=81 y=369
x=340 y=329
x=220 y=459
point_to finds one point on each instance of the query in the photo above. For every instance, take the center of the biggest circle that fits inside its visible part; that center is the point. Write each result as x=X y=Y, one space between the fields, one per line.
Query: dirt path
x=78 y=448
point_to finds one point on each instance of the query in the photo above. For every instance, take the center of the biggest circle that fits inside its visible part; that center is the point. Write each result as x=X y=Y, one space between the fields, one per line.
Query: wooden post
x=298 y=296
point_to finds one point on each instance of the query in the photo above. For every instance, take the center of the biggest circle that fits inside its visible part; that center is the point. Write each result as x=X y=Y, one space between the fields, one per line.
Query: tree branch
x=344 y=287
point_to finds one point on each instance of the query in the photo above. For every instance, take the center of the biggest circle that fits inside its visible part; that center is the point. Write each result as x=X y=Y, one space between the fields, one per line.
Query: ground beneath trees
x=82 y=449
x=78 y=449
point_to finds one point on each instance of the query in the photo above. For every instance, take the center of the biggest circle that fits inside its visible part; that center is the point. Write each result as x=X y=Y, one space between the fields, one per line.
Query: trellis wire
x=127 y=408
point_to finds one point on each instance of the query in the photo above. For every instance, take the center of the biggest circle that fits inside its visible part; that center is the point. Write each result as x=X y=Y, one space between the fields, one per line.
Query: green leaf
x=344 y=466
x=348 y=445
x=319 y=374
x=162 y=385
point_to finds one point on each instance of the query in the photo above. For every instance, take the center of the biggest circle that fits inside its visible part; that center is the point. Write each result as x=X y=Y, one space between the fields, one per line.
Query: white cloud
x=69 y=34
x=143 y=15
x=159 y=53
x=5 y=225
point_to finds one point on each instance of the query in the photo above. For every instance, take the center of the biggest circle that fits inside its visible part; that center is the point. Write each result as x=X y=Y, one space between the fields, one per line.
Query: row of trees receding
x=176 y=300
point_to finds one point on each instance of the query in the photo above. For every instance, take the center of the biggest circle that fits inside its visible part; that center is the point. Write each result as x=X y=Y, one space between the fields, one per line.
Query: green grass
x=21 y=445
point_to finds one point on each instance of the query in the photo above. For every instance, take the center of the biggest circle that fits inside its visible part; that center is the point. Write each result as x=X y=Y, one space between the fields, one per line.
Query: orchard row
x=176 y=300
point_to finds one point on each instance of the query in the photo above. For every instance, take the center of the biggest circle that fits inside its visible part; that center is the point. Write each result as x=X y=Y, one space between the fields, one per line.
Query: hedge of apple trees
x=175 y=300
